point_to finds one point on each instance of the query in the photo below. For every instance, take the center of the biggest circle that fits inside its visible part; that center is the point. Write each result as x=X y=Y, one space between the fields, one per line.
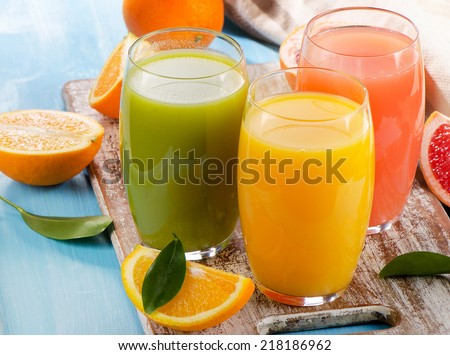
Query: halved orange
x=105 y=94
x=435 y=155
x=43 y=147
x=208 y=296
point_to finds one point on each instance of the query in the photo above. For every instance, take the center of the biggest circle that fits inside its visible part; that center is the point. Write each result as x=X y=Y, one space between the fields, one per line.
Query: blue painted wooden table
x=47 y=286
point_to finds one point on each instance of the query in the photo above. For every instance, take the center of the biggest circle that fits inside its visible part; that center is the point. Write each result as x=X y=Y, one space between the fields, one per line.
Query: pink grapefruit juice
x=390 y=66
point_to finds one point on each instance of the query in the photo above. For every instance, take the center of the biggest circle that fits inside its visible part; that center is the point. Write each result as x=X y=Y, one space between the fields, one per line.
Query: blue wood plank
x=255 y=51
x=350 y=329
x=47 y=286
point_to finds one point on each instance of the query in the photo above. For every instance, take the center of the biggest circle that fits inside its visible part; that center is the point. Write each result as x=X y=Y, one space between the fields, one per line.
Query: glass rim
x=414 y=40
x=361 y=106
x=221 y=35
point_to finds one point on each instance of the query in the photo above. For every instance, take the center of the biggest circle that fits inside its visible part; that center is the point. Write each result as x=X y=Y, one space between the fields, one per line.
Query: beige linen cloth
x=272 y=20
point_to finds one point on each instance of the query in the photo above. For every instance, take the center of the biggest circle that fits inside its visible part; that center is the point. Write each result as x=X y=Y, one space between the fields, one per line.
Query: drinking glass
x=305 y=182
x=382 y=49
x=182 y=101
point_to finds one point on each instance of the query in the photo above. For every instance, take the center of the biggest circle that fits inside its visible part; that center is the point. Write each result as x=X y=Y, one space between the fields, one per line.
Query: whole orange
x=143 y=16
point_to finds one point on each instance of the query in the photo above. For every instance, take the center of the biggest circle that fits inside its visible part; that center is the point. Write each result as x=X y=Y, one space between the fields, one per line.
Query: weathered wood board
x=415 y=305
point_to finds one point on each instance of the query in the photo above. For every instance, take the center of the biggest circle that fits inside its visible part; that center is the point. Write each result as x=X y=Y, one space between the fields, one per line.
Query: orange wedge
x=208 y=296
x=42 y=147
x=435 y=155
x=105 y=94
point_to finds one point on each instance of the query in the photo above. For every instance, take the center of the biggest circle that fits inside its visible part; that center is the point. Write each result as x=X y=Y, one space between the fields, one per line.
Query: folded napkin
x=272 y=20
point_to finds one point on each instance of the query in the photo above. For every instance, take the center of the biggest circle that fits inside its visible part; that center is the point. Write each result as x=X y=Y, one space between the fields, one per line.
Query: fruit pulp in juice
x=390 y=66
x=304 y=229
x=174 y=132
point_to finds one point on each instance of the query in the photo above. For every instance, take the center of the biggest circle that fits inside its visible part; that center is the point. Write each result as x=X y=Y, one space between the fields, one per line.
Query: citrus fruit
x=144 y=16
x=208 y=296
x=435 y=155
x=105 y=94
x=42 y=147
x=290 y=48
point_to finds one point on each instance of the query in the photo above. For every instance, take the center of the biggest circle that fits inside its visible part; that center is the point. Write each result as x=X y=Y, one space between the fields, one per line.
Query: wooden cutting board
x=413 y=305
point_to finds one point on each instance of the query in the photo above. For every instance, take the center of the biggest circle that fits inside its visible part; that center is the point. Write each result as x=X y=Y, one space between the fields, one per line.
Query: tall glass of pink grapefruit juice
x=382 y=49
x=305 y=182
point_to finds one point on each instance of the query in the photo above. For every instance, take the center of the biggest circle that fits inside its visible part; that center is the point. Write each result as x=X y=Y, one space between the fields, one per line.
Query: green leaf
x=418 y=263
x=63 y=228
x=165 y=276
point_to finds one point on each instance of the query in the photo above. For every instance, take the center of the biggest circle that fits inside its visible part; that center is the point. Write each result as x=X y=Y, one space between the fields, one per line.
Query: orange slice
x=208 y=296
x=435 y=155
x=105 y=94
x=290 y=48
x=41 y=147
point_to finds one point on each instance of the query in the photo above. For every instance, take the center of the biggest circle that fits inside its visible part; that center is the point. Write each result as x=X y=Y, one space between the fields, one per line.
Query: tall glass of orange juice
x=305 y=182
x=382 y=49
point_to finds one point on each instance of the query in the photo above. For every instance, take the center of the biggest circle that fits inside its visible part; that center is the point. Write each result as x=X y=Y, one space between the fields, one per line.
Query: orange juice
x=304 y=216
x=390 y=66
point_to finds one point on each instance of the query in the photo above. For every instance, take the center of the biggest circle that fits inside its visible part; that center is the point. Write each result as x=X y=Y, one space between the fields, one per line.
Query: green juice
x=179 y=140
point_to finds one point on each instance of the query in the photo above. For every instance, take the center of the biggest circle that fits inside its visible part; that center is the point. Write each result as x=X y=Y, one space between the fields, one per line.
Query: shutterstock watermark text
x=191 y=169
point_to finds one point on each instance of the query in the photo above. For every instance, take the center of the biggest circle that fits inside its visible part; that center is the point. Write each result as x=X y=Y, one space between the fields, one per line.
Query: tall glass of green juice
x=182 y=102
